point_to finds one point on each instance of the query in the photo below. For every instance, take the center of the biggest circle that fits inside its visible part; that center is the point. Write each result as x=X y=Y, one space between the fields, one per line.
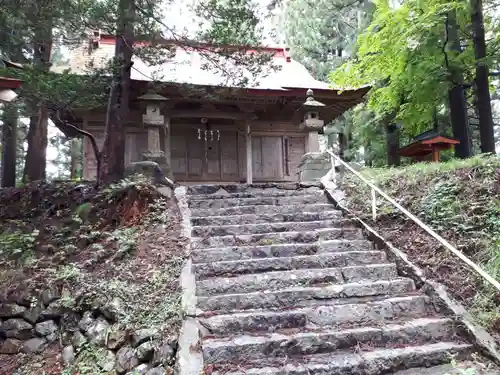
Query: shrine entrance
x=219 y=153
x=199 y=154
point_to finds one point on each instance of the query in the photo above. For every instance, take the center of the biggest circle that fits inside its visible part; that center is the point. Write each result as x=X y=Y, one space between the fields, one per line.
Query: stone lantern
x=311 y=108
x=155 y=123
x=312 y=123
x=154 y=103
x=313 y=164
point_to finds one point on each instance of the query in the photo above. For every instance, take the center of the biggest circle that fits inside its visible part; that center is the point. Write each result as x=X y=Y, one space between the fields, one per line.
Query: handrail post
x=334 y=173
x=374 y=205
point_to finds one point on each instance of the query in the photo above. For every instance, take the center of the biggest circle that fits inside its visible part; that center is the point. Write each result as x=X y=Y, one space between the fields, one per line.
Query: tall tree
x=13 y=46
x=36 y=155
x=407 y=50
x=321 y=34
x=113 y=153
x=456 y=94
x=486 y=124
x=10 y=118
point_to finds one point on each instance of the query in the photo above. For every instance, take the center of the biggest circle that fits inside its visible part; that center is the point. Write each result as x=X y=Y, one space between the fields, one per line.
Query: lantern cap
x=311 y=102
x=152 y=95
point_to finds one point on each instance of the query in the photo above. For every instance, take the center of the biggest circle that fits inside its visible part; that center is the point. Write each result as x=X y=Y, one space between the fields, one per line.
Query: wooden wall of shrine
x=276 y=150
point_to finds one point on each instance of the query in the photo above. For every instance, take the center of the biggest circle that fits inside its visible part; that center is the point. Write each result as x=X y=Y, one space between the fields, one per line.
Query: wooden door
x=267 y=157
x=178 y=155
x=195 y=155
x=197 y=159
x=295 y=148
x=212 y=160
x=229 y=156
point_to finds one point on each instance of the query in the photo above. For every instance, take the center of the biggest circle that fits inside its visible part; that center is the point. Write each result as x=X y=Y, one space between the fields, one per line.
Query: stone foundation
x=32 y=324
x=313 y=166
x=161 y=160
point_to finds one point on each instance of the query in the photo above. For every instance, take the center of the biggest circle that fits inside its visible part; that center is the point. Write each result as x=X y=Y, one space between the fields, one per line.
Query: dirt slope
x=91 y=246
x=461 y=201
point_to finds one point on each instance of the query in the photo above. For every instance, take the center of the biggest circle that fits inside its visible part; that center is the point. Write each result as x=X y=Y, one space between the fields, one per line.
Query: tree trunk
x=76 y=158
x=456 y=98
x=36 y=161
x=9 y=145
x=113 y=153
x=342 y=145
x=349 y=147
x=368 y=156
x=393 y=159
x=36 y=154
x=486 y=125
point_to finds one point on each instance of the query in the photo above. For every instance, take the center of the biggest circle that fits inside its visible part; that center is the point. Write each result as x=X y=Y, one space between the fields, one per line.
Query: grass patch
x=460 y=200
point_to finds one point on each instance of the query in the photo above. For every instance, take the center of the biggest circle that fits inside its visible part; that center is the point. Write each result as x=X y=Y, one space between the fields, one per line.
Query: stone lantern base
x=161 y=160
x=313 y=166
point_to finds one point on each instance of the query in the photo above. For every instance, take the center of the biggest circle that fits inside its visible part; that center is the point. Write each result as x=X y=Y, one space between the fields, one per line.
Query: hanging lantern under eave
x=154 y=103
x=311 y=109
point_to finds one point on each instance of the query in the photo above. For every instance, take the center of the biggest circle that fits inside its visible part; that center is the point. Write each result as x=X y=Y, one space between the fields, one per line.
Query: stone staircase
x=286 y=285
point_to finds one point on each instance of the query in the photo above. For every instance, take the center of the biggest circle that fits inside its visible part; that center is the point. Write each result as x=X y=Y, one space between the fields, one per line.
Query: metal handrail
x=375 y=189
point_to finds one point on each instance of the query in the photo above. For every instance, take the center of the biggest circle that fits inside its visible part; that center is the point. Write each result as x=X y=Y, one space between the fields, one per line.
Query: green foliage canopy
x=407 y=51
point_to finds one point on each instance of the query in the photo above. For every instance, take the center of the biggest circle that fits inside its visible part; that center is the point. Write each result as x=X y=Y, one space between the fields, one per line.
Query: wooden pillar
x=167 y=147
x=88 y=153
x=248 y=138
x=435 y=155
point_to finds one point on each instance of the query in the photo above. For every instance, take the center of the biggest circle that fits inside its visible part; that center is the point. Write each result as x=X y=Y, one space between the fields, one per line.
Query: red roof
x=276 y=51
x=426 y=146
x=10 y=83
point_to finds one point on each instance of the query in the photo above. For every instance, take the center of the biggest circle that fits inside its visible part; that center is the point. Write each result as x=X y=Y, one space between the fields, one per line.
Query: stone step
x=233 y=230
x=316 y=317
x=272 y=281
x=270 y=218
x=323 y=260
x=469 y=366
x=273 y=201
x=195 y=190
x=253 y=348
x=278 y=238
x=280 y=250
x=446 y=369
x=262 y=209
x=372 y=362
x=303 y=296
x=256 y=193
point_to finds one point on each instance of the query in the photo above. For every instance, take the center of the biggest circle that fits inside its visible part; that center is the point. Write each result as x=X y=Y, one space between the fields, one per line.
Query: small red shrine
x=430 y=142
x=7 y=87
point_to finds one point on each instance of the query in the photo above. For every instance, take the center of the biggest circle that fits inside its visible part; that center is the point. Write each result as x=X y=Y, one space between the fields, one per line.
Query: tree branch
x=71 y=131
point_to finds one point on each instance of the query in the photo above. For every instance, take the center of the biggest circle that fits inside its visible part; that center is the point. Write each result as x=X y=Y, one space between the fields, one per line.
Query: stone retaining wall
x=30 y=325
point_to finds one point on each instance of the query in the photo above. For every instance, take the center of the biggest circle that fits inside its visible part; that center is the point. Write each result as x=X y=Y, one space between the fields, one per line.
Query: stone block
x=34 y=345
x=11 y=346
x=161 y=160
x=313 y=166
x=8 y=311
